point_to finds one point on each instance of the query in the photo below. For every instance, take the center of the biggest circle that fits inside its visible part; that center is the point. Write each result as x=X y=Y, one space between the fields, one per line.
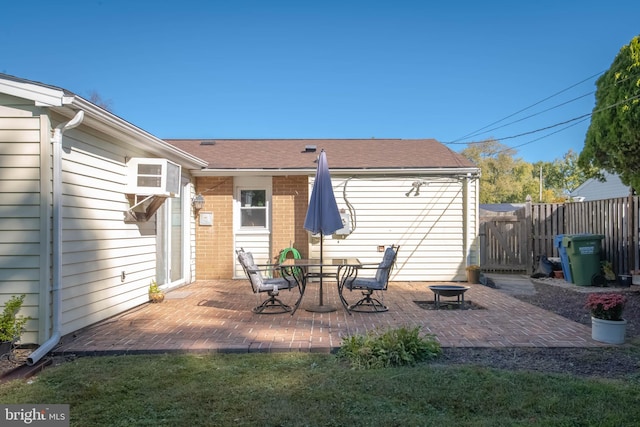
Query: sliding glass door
x=172 y=242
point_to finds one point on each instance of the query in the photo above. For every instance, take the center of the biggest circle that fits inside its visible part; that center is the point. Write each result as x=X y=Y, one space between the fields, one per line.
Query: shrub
x=393 y=347
x=11 y=325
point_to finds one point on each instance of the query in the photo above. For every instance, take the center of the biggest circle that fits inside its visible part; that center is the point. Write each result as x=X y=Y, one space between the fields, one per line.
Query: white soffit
x=43 y=96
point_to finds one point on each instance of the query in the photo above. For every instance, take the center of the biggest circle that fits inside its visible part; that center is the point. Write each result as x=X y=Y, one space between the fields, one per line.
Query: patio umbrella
x=323 y=216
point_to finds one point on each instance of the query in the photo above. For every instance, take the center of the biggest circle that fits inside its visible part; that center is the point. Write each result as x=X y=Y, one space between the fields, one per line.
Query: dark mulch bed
x=609 y=362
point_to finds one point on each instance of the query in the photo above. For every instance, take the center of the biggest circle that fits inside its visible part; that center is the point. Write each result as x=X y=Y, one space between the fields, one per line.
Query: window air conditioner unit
x=150 y=176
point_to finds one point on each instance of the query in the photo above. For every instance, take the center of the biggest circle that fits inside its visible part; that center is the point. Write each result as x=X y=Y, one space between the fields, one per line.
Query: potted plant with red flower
x=607 y=324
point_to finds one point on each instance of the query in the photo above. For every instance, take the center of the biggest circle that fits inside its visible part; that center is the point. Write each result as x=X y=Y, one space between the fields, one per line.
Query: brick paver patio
x=216 y=316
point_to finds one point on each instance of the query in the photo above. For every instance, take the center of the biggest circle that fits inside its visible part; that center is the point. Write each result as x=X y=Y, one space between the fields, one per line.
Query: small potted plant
x=607 y=324
x=473 y=273
x=155 y=293
x=608 y=273
x=11 y=325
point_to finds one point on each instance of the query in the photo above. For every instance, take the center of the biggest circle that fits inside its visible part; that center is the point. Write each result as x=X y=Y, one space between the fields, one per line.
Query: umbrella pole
x=320 y=307
x=321 y=260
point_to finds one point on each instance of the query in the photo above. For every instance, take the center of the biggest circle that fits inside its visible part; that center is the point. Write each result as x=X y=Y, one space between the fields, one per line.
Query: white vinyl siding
x=97 y=245
x=257 y=244
x=107 y=263
x=23 y=260
x=430 y=227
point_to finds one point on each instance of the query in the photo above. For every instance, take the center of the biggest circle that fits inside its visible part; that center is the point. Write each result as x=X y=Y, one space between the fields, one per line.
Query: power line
x=535 y=114
x=543 y=136
x=544 y=128
x=583 y=116
x=632 y=76
x=527 y=108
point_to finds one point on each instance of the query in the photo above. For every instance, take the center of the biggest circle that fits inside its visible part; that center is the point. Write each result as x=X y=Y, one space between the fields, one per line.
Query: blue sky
x=329 y=69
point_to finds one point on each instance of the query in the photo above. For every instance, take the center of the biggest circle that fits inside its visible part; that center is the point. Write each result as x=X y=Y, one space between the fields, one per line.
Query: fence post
x=528 y=224
x=634 y=244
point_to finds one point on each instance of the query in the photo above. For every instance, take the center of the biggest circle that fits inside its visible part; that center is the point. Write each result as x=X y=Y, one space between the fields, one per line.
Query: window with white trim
x=253 y=208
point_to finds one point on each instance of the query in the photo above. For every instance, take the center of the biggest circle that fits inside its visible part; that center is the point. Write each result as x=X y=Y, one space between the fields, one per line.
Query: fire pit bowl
x=448 y=291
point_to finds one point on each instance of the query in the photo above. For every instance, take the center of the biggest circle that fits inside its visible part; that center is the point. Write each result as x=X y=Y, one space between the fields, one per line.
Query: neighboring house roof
x=593 y=189
x=346 y=154
x=67 y=104
x=501 y=207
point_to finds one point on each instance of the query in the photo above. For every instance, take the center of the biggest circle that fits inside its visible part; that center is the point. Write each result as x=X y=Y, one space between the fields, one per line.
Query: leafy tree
x=552 y=182
x=561 y=176
x=505 y=179
x=613 y=139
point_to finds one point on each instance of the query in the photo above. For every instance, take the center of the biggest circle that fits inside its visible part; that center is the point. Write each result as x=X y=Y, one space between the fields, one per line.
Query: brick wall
x=289 y=208
x=214 y=244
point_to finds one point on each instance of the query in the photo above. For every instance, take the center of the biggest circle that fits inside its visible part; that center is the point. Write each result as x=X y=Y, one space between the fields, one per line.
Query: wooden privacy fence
x=504 y=242
x=513 y=242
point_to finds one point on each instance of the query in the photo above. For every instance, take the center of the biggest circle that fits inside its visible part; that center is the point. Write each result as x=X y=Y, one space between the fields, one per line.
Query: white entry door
x=252 y=219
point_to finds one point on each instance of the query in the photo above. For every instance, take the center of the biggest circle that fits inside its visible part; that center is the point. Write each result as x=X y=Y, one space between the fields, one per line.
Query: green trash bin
x=584 y=256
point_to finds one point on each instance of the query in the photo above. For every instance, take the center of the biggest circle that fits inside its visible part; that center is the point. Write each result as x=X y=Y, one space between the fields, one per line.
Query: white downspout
x=56 y=296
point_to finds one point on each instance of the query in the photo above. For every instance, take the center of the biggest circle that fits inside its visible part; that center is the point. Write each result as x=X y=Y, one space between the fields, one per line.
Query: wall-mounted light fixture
x=198 y=203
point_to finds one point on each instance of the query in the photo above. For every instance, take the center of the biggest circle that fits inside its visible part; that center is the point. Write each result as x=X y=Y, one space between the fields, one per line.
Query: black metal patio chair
x=271 y=285
x=369 y=285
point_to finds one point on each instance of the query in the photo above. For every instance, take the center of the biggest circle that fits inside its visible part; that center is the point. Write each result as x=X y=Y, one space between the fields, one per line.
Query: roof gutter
x=56 y=295
x=67 y=103
x=426 y=171
x=110 y=124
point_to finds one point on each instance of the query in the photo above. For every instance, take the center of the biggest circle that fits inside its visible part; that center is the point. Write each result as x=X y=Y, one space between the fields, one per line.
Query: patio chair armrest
x=367 y=266
x=258 y=270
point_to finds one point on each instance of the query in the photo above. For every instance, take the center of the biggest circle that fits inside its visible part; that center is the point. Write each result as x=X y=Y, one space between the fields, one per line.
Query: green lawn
x=302 y=389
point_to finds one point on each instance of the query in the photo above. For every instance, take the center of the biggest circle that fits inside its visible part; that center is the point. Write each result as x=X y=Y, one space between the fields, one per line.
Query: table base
x=316 y=308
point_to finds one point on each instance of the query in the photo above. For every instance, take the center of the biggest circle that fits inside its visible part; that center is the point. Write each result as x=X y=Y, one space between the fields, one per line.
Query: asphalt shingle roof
x=341 y=153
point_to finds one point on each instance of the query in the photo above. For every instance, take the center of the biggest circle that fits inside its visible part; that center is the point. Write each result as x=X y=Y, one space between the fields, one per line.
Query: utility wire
x=542 y=137
x=554 y=125
x=538 y=113
x=527 y=108
x=478 y=132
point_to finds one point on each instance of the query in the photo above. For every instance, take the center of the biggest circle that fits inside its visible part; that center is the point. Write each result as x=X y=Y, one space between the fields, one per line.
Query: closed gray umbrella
x=323 y=216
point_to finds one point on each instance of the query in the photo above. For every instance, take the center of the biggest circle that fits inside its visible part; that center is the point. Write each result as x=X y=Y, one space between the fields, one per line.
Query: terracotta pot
x=156 y=297
x=473 y=276
x=559 y=274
